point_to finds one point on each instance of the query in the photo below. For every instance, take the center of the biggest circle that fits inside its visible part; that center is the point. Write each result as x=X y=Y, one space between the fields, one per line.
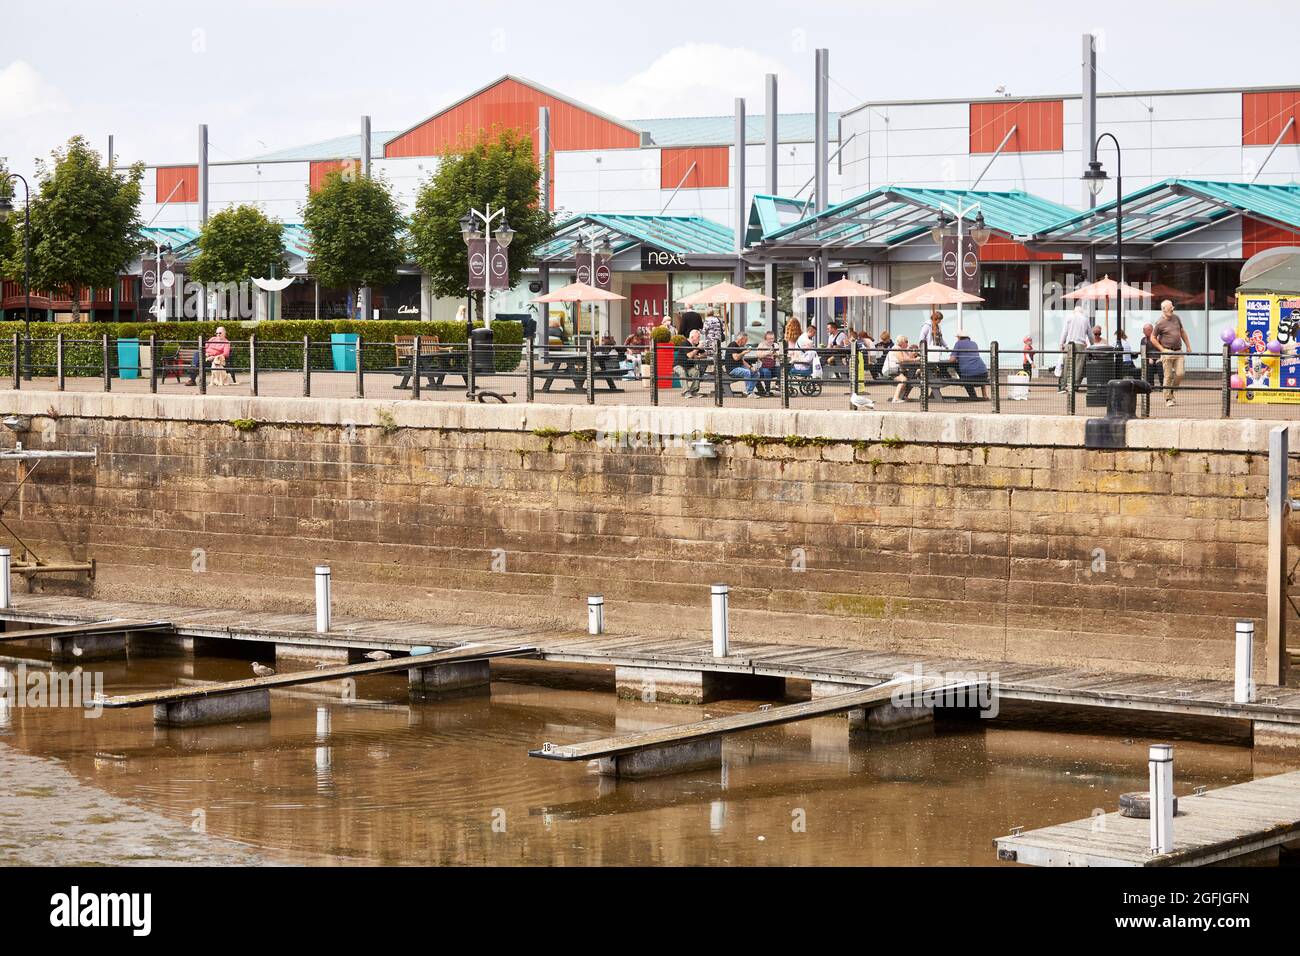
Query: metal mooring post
x=323 y=599
x=5 y=594
x=596 y=614
x=1161 y=773
x=1244 y=689
x=721 y=597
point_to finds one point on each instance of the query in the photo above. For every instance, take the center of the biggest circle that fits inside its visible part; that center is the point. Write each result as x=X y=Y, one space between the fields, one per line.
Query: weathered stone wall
x=972 y=536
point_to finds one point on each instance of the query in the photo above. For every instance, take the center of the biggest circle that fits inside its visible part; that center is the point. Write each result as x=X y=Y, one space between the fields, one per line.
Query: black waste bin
x=1100 y=365
x=484 y=362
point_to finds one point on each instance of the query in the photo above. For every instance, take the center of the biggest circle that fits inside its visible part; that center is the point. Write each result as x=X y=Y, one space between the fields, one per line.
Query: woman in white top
x=901 y=354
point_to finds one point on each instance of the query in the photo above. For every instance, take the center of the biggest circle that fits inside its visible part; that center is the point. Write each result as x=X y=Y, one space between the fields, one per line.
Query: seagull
x=379 y=656
x=861 y=401
x=261 y=670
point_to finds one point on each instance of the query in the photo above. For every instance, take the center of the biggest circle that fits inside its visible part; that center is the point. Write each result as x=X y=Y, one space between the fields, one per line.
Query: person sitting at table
x=970 y=367
x=836 y=339
x=688 y=363
x=765 y=363
x=798 y=348
x=876 y=362
x=736 y=360
x=634 y=347
x=900 y=366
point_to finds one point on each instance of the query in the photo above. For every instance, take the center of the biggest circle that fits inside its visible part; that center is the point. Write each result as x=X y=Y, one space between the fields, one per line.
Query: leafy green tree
x=356 y=232
x=236 y=245
x=502 y=172
x=85 y=221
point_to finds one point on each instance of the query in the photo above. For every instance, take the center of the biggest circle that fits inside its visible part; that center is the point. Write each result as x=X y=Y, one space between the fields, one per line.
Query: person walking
x=1076 y=329
x=1172 y=342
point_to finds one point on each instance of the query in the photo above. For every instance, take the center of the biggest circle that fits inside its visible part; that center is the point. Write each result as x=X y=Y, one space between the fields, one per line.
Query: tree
x=85 y=222
x=237 y=244
x=500 y=172
x=356 y=232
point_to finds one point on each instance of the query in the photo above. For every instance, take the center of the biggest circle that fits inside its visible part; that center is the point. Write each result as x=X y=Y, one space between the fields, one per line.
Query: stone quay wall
x=964 y=536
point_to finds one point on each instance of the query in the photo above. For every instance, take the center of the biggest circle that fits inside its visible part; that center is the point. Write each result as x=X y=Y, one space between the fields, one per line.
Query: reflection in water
x=379 y=780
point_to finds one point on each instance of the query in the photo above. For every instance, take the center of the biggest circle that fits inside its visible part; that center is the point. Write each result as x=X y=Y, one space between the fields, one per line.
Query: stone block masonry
x=977 y=536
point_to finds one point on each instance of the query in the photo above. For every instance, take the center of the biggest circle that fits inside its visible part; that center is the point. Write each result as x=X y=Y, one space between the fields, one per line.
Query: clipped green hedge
x=279 y=342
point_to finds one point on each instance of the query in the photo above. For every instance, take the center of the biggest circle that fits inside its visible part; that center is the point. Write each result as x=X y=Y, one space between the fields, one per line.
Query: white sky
x=277 y=73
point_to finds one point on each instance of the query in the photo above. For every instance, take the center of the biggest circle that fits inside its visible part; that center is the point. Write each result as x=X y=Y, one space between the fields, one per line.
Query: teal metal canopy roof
x=891 y=215
x=1171 y=208
x=686 y=235
x=178 y=237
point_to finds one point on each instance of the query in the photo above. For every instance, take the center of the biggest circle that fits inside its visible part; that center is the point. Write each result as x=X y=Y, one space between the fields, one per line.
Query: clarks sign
x=656 y=260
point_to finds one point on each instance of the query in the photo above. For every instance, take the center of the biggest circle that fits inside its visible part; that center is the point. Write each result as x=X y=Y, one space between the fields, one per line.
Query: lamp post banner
x=498 y=265
x=603 y=276
x=478 y=265
x=968 y=261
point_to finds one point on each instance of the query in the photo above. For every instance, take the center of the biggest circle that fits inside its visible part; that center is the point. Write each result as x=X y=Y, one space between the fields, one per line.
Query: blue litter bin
x=128 y=358
x=343 y=345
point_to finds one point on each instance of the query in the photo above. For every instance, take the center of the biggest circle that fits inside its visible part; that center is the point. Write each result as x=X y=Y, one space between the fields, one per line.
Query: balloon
x=1228 y=335
x=1275 y=347
x=1240 y=345
x=1238 y=382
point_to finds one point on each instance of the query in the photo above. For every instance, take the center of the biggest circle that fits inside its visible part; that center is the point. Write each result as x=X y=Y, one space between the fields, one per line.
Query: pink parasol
x=932 y=293
x=1106 y=288
x=724 y=293
x=579 y=292
x=844 y=289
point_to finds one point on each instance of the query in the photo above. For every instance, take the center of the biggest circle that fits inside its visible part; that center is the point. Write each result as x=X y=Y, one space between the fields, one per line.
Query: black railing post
x=591 y=371
x=995 y=385
x=530 y=365
x=717 y=374
x=1144 y=400
x=925 y=375
x=203 y=366
x=18 y=372
x=654 y=371
x=108 y=369
x=361 y=370
x=252 y=364
x=153 y=363
x=785 y=374
x=415 y=368
x=854 y=382
x=58 y=362
x=306 y=366
x=1071 y=356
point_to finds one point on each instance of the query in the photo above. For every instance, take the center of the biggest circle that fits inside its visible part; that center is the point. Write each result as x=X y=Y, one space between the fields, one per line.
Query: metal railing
x=1072 y=381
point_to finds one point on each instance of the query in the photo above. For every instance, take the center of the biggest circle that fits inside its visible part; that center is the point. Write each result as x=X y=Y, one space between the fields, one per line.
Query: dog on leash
x=219 y=375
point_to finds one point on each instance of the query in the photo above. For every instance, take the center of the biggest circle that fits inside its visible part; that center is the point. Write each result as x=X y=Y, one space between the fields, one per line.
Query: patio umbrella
x=1106 y=288
x=933 y=293
x=724 y=293
x=843 y=289
x=578 y=292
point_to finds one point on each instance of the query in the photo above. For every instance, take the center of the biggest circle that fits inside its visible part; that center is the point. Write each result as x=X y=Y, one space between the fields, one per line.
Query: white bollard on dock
x=1161 y=764
x=596 y=614
x=720 y=634
x=1244 y=692
x=323 y=599
x=5 y=594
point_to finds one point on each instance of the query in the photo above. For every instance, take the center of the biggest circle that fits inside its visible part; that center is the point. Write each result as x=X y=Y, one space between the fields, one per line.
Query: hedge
x=279 y=342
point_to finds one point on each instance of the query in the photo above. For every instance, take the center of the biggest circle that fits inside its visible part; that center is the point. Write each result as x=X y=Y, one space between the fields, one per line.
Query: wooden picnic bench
x=572 y=366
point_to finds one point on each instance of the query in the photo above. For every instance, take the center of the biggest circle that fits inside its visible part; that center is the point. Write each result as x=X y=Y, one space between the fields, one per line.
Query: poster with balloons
x=1264 y=344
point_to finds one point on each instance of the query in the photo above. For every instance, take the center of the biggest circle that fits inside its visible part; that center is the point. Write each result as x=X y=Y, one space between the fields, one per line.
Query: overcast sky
x=279 y=73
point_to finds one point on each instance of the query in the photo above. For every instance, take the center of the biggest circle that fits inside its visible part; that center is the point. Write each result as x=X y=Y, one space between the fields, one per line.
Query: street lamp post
x=980 y=233
x=597 y=246
x=6 y=208
x=469 y=232
x=1096 y=178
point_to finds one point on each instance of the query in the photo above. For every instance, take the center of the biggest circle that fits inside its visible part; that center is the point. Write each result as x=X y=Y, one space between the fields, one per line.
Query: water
x=383 y=781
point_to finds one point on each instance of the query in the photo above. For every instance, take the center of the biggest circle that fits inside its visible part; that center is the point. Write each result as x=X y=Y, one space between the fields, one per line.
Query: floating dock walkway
x=1232 y=824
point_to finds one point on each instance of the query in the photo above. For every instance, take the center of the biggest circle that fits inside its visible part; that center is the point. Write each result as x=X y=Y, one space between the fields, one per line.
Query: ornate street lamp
x=1095 y=176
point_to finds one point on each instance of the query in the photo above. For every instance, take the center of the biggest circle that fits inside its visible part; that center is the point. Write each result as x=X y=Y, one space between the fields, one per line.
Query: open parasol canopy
x=933 y=293
x=1106 y=288
x=724 y=293
x=579 y=292
x=844 y=289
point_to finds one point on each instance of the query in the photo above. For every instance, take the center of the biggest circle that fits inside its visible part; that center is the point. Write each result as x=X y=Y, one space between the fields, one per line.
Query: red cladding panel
x=1264 y=116
x=183 y=179
x=712 y=167
x=1040 y=126
x=1259 y=236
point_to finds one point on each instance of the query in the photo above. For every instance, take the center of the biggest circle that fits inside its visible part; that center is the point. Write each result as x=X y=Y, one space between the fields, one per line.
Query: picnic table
x=436 y=363
x=573 y=367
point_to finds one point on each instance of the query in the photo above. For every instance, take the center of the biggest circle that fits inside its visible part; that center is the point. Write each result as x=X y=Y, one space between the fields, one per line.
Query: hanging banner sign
x=604 y=275
x=498 y=265
x=967 y=260
x=478 y=265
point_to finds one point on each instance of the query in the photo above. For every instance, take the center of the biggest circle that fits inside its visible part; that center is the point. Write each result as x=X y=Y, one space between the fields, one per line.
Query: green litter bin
x=128 y=358
x=343 y=345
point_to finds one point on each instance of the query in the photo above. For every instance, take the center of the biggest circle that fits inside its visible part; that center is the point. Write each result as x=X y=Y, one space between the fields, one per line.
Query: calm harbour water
x=385 y=781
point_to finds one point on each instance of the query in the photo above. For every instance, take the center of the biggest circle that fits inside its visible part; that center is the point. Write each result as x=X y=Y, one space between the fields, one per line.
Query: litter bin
x=1100 y=365
x=128 y=358
x=483 y=354
x=343 y=346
